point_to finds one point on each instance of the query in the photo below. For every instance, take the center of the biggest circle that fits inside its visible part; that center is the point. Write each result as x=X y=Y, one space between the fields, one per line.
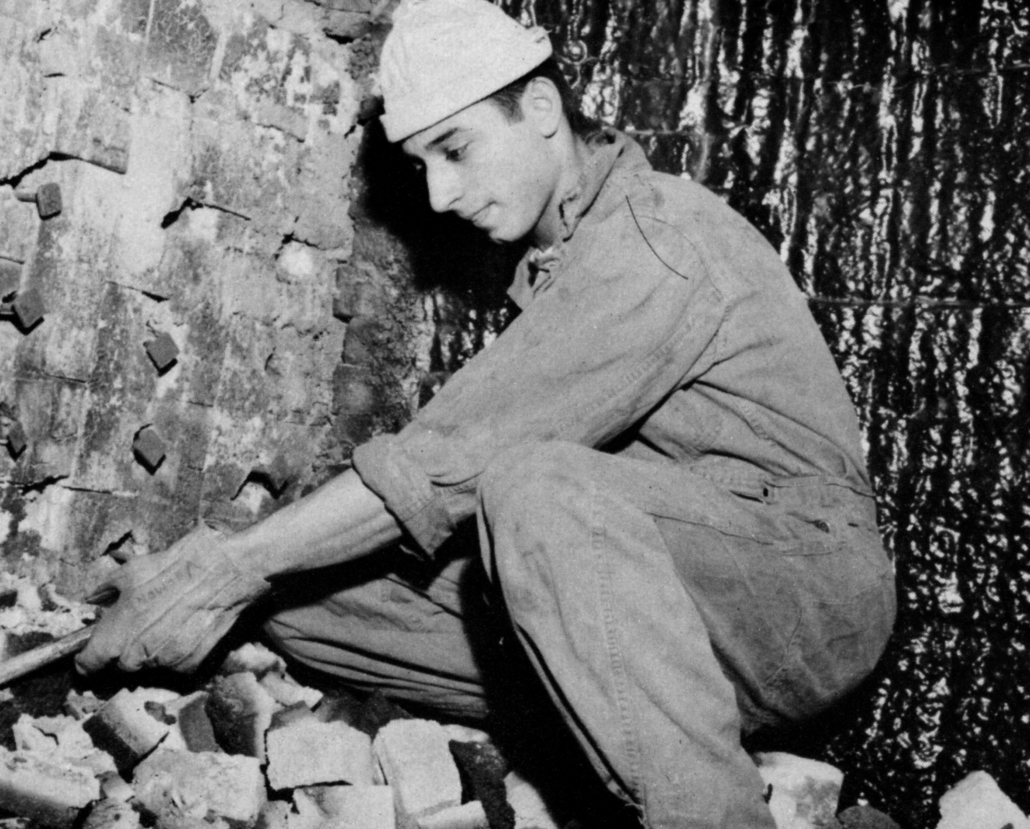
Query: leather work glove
x=172 y=606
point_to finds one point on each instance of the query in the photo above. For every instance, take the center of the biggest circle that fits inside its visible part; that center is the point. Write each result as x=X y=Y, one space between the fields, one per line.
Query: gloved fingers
x=185 y=646
x=186 y=656
x=173 y=606
x=113 y=585
x=106 y=643
x=102 y=594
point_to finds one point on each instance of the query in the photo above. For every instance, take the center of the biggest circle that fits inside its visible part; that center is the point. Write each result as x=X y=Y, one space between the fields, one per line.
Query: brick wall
x=218 y=330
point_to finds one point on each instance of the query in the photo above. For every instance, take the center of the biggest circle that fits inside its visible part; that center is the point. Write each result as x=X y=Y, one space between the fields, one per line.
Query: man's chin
x=500 y=237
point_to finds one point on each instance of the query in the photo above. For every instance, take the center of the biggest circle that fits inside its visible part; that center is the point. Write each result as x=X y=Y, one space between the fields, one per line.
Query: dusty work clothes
x=670 y=493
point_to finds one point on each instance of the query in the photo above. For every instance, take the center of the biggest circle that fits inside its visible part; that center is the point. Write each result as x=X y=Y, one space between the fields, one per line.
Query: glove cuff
x=248 y=584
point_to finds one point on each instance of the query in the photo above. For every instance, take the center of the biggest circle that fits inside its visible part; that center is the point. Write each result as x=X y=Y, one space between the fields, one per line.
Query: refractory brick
x=28 y=308
x=307 y=752
x=241 y=712
x=346 y=807
x=49 y=793
x=127 y=728
x=148 y=448
x=175 y=786
x=48 y=200
x=416 y=761
x=162 y=351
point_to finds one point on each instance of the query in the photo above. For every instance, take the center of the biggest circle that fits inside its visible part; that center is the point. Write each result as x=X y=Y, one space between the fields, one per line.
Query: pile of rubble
x=253 y=748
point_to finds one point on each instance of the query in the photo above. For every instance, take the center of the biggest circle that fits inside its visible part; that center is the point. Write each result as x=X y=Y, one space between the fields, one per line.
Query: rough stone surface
x=112 y=814
x=309 y=752
x=192 y=724
x=128 y=727
x=483 y=769
x=287 y=692
x=204 y=786
x=416 y=761
x=531 y=811
x=865 y=817
x=206 y=155
x=49 y=792
x=804 y=792
x=241 y=713
x=346 y=807
x=976 y=802
x=467 y=816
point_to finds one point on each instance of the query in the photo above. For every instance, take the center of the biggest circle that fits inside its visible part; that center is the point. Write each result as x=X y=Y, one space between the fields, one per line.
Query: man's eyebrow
x=440 y=139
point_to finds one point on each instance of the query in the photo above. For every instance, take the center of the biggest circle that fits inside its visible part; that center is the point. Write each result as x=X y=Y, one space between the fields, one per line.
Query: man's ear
x=541 y=102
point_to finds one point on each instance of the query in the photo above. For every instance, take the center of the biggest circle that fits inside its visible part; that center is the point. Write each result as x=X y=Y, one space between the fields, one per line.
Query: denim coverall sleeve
x=612 y=334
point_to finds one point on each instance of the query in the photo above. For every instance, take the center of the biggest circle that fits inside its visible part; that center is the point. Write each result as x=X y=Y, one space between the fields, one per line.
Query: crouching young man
x=659 y=454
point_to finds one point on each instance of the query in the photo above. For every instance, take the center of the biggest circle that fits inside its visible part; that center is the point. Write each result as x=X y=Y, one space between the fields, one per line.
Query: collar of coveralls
x=606 y=147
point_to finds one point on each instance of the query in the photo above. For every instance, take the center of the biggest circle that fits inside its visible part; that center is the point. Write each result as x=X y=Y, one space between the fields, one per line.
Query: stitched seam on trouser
x=618 y=665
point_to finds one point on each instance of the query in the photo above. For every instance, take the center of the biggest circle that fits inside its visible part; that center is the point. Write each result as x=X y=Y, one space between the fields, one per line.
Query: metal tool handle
x=25 y=663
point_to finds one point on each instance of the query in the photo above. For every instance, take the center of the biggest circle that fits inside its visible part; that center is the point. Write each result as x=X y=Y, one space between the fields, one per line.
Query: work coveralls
x=666 y=473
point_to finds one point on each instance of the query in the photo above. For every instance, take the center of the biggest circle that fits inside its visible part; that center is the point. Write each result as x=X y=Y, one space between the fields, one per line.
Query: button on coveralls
x=666 y=473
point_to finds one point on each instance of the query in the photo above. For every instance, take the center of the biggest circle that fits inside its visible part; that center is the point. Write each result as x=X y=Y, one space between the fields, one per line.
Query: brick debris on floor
x=252 y=748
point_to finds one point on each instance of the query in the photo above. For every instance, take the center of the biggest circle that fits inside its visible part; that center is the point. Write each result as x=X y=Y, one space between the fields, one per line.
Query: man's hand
x=172 y=606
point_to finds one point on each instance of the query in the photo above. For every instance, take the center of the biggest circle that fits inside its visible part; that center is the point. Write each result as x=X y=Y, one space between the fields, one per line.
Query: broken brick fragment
x=346 y=807
x=275 y=814
x=415 y=760
x=800 y=785
x=241 y=712
x=177 y=786
x=866 y=817
x=289 y=714
x=368 y=715
x=28 y=308
x=482 y=771
x=112 y=814
x=340 y=705
x=60 y=739
x=162 y=350
x=125 y=728
x=48 y=200
x=252 y=657
x=306 y=752
x=466 y=816
x=288 y=692
x=50 y=793
x=377 y=711
x=81 y=705
x=528 y=803
x=115 y=787
x=148 y=448
x=16 y=439
x=193 y=723
x=347 y=26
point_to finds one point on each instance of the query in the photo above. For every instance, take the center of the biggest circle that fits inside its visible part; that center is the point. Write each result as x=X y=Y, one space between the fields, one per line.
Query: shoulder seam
x=647 y=241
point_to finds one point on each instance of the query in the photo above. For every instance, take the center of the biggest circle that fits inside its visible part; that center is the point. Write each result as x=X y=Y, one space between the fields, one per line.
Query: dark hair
x=509 y=98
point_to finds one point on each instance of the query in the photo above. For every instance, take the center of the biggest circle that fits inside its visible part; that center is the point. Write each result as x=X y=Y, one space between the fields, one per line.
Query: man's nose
x=444 y=188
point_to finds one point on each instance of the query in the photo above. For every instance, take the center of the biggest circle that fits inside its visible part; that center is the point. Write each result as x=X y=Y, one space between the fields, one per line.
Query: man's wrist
x=240 y=550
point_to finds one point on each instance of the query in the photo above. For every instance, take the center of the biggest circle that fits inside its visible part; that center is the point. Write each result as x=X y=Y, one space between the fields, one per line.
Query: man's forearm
x=341 y=520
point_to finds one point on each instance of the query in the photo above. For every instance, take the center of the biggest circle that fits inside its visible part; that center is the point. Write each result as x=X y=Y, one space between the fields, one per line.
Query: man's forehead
x=432 y=138
x=472 y=119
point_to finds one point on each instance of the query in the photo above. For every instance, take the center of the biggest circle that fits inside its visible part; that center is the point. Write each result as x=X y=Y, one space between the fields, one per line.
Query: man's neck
x=573 y=154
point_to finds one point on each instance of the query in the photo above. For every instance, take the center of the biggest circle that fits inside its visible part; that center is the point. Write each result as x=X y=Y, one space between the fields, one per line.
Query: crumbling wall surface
x=196 y=288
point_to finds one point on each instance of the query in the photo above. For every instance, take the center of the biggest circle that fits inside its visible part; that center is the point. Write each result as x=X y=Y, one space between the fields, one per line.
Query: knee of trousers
x=530 y=480
x=525 y=494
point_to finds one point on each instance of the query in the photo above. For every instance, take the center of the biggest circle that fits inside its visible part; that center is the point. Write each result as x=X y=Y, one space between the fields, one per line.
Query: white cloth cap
x=444 y=55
